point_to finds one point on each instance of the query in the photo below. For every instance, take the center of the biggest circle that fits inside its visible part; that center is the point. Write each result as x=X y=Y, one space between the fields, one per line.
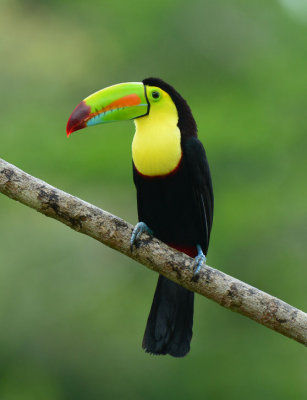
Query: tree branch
x=115 y=233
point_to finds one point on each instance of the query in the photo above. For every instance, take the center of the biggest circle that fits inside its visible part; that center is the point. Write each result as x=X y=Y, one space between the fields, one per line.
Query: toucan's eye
x=155 y=95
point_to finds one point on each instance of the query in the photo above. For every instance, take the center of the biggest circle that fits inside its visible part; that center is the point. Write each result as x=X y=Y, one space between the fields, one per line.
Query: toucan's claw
x=198 y=261
x=139 y=228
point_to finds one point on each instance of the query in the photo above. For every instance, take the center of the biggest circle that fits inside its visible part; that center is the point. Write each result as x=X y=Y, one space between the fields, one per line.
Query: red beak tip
x=78 y=118
x=69 y=129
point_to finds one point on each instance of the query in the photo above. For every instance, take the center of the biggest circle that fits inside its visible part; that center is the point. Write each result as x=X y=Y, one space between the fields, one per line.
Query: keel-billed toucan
x=174 y=191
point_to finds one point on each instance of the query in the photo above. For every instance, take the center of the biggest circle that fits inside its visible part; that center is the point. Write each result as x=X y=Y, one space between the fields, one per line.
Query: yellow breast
x=156 y=148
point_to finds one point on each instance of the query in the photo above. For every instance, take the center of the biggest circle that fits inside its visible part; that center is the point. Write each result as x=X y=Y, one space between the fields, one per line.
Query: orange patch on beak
x=126 y=101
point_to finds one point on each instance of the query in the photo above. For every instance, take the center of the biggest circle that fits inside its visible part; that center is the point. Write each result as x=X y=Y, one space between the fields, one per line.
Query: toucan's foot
x=198 y=261
x=139 y=228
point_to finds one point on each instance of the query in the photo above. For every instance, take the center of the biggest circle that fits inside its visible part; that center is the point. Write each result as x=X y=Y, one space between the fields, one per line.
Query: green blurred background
x=72 y=311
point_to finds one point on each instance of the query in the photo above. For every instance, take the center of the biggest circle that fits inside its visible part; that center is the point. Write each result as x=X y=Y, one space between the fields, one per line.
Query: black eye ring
x=155 y=95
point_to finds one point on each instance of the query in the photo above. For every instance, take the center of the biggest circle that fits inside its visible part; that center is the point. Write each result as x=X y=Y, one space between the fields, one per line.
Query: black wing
x=198 y=169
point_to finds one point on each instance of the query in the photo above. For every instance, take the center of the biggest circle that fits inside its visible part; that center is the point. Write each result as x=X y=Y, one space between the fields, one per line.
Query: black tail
x=170 y=321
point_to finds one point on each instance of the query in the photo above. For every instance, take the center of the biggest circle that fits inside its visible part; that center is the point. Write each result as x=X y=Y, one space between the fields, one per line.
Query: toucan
x=174 y=191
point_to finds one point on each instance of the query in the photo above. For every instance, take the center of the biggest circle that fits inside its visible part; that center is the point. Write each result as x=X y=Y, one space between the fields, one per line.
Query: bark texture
x=114 y=232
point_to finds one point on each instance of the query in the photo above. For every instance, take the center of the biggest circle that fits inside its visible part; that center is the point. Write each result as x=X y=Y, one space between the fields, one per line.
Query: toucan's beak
x=115 y=103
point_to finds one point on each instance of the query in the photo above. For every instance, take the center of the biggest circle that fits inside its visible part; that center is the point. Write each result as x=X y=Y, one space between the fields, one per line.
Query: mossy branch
x=114 y=232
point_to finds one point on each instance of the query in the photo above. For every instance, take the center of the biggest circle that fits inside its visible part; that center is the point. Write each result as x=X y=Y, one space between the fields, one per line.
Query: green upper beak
x=120 y=102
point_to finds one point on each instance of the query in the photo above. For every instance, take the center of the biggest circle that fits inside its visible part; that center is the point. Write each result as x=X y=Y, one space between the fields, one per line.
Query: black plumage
x=178 y=208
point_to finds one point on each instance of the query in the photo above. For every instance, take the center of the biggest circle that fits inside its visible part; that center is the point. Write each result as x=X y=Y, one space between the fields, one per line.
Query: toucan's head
x=129 y=101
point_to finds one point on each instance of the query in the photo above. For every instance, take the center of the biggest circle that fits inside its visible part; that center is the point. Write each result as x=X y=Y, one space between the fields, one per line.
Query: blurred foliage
x=72 y=311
